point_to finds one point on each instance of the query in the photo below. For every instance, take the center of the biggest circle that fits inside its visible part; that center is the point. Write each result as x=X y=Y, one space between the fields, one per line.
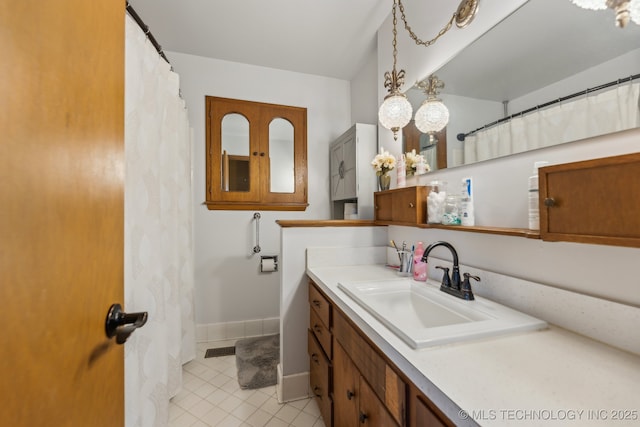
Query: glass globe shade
x=395 y=112
x=634 y=11
x=591 y=4
x=432 y=116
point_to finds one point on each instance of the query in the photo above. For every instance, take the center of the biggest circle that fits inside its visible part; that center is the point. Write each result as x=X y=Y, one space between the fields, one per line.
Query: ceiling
x=330 y=38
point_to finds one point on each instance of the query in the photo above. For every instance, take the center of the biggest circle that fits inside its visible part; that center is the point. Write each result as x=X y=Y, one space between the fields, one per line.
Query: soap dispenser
x=419 y=267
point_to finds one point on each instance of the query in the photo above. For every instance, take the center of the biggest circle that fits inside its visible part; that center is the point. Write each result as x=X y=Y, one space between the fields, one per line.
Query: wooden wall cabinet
x=401 y=206
x=593 y=201
x=352 y=177
x=256 y=155
x=365 y=389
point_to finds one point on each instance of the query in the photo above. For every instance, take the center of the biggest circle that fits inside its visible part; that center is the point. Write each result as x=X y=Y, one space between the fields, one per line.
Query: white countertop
x=549 y=377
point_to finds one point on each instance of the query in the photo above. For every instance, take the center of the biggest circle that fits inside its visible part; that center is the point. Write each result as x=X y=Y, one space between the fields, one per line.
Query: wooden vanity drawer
x=384 y=381
x=321 y=332
x=320 y=304
x=320 y=377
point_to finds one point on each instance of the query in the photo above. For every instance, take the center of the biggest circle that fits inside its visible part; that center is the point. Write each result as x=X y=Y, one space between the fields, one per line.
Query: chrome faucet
x=452 y=285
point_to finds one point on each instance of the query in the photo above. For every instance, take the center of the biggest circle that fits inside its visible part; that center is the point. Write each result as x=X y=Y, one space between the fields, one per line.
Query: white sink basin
x=422 y=315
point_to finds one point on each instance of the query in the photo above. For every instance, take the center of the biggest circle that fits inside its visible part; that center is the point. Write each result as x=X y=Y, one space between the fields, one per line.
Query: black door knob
x=120 y=324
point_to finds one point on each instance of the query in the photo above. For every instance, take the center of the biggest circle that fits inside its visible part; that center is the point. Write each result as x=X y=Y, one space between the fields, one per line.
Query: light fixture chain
x=395 y=35
x=414 y=36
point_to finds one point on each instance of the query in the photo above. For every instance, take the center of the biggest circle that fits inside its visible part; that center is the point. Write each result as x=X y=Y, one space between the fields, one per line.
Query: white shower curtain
x=608 y=111
x=158 y=243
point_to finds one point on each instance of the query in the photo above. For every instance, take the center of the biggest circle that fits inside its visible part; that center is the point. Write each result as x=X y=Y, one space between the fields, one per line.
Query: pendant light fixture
x=395 y=112
x=433 y=115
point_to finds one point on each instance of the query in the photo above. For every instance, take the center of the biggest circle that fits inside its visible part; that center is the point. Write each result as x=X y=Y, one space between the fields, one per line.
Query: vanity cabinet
x=364 y=387
x=593 y=201
x=401 y=206
x=352 y=177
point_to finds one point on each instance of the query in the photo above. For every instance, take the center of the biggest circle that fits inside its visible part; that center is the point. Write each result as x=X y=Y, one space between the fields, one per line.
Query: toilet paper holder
x=268 y=269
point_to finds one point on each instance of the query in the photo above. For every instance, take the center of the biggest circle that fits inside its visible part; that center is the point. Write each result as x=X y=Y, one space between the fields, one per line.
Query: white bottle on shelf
x=534 y=192
x=467 y=216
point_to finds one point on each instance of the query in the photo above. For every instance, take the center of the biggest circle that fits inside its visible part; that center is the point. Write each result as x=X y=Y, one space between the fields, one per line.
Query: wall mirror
x=544 y=52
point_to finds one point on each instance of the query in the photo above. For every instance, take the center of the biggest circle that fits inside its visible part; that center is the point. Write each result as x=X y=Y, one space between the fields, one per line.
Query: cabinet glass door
x=235 y=159
x=281 y=161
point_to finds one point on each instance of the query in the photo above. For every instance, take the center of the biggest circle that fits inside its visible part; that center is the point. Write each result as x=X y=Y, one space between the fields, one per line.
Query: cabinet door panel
x=321 y=331
x=372 y=411
x=425 y=416
x=383 y=206
x=408 y=206
x=227 y=148
x=594 y=201
x=320 y=377
x=346 y=394
x=320 y=305
x=349 y=168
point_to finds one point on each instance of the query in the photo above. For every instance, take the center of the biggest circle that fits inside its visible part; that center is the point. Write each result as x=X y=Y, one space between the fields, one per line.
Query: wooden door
x=61 y=215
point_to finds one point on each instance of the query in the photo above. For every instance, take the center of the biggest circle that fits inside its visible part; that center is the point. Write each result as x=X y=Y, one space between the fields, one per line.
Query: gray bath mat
x=257 y=360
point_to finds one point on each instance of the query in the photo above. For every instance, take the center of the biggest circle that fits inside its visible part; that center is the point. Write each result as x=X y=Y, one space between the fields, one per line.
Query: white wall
x=228 y=285
x=294 y=362
x=364 y=92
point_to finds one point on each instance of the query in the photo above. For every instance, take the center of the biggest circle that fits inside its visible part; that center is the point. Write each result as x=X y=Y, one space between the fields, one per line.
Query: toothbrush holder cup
x=406 y=263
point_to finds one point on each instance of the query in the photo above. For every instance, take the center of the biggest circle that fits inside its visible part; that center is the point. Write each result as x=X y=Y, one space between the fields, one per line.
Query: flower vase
x=384 y=182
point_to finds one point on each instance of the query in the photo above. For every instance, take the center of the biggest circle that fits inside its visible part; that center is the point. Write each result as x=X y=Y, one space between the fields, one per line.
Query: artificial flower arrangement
x=383 y=162
x=415 y=163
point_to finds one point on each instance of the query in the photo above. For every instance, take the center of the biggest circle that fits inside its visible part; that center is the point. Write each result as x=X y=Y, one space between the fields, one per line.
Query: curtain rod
x=145 y=28
x=462 y=136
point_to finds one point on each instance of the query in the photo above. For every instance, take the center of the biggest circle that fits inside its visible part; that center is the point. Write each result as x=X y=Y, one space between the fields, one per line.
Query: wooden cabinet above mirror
x=256 y=155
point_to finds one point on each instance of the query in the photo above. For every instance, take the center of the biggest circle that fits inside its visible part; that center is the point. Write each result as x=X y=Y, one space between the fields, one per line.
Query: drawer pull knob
x=318 y=392
x=363 y=417
x=350 y=394
x=549 y=202
x=316 y=302
x=317 y=328
x=411 y=205
x=314 y=357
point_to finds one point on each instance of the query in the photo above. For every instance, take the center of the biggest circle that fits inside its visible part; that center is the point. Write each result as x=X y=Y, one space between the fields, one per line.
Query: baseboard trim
x=292 y=387
x=237 y=330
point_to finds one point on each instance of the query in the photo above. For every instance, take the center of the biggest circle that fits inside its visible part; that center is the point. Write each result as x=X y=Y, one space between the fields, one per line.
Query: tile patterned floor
x=211 y=396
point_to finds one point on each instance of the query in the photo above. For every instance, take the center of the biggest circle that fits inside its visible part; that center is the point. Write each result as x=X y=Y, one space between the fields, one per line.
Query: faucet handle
x=446 y=282
x=466 y=286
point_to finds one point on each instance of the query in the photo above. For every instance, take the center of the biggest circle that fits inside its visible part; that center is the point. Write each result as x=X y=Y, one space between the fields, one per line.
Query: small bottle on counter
x=419 y=267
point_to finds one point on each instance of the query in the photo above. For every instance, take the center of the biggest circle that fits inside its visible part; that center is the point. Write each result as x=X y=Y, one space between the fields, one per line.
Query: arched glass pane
x=281 y=156
x=235 y=153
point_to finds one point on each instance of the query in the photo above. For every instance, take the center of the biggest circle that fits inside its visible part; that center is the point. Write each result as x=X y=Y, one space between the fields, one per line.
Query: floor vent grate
x=222 y=351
